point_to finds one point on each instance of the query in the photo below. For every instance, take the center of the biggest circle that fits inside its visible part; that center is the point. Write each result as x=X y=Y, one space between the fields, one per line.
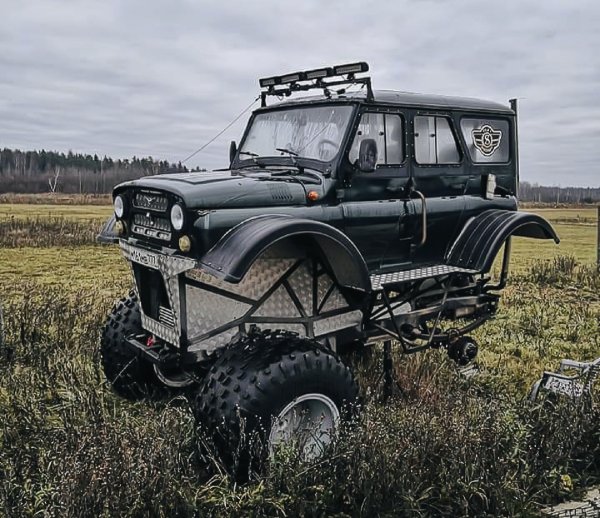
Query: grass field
x=448 y=446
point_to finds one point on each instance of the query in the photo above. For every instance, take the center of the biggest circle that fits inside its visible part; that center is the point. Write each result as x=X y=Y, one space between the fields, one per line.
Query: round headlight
x=119 y=207
x=177 y=217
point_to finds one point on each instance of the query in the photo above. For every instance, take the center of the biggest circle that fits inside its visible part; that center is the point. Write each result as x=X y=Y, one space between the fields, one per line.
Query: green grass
x=80 y=212
x=449 y=446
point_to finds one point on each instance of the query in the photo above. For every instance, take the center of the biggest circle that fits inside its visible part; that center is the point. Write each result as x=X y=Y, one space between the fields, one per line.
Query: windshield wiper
x=299 y=171
x=288 y=151
x=249 y=153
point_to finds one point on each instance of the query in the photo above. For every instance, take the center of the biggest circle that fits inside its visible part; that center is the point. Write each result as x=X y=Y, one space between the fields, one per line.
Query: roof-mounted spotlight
x=266 y=82
x=351 y=68
x=319 y=73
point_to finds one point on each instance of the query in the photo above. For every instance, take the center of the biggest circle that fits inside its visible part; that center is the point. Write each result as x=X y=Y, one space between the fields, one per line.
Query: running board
x=379 y=282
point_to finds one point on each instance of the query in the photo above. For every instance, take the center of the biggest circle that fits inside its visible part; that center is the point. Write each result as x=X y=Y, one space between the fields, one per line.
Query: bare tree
x=52 y=182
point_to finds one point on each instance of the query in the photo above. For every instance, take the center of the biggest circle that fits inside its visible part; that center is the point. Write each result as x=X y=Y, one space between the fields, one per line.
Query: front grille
x=149 y=221
x=152 y=226
x=151 y=201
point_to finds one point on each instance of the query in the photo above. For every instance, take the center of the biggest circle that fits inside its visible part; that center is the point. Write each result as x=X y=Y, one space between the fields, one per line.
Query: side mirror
x=232 y=151
x=367 y=155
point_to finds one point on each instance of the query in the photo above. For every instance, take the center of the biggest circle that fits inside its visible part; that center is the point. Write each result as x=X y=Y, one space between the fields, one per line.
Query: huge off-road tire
x=130 y=376
x=260 y=390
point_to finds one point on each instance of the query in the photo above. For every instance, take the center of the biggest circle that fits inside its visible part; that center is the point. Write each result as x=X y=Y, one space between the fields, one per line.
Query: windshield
x=314 y=133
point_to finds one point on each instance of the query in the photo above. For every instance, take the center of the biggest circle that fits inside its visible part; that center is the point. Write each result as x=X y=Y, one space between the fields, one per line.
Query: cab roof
x=406 y=99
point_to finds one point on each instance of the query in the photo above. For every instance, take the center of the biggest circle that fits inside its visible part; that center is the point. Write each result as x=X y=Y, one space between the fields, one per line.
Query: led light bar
x=269 y=81
x=351 y=68
x=319 y=73
x=292 y=78
x=286 y=85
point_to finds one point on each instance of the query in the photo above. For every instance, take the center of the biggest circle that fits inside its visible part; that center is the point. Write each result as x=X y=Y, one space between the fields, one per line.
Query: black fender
x=482 y=237
x=107 y=235
x=233 y=255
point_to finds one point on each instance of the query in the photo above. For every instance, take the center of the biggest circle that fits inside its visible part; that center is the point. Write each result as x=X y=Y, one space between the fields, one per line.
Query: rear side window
x=388 y=132
x=434 y=141
x=487 y=139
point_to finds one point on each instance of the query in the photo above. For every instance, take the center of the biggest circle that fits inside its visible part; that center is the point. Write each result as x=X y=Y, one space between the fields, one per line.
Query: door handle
x=423 y=218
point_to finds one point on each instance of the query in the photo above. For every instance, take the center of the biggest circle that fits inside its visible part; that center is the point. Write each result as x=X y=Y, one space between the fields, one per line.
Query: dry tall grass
x=447 y=446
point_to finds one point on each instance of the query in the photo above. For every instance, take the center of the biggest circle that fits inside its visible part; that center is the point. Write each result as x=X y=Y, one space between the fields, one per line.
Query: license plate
x=142 y=257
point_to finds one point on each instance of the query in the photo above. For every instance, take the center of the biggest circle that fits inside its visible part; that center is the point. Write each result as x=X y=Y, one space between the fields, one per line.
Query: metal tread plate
x=380 y=281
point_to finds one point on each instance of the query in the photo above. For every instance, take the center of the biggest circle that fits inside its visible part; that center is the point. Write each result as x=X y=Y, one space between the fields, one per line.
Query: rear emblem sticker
x=486 y=139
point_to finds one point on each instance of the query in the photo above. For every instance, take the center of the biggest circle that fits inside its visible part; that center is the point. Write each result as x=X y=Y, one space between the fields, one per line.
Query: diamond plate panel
x=261 y=276
x=335 y=301
x=279 y=304
x=207 y=311
x=331 y=324
x=301 y=282
x=167 y=333
x=323 y=285
x=379 y=281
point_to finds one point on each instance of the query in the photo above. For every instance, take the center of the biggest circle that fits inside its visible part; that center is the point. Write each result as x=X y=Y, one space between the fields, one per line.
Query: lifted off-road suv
x=342 y=220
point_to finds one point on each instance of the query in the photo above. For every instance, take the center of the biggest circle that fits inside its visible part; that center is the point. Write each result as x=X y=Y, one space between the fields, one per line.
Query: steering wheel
x=322 y=150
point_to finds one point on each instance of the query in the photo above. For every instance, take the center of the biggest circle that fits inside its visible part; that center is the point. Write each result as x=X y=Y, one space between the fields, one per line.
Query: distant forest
x=49 y=171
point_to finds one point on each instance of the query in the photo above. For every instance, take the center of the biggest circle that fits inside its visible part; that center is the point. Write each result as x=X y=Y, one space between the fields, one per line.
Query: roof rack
x=320 y=78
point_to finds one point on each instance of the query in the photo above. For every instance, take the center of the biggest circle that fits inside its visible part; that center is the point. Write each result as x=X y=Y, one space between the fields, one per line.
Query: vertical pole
x=514 y=106
x=598 y=242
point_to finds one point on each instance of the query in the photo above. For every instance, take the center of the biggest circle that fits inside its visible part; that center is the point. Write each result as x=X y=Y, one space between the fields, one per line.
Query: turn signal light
x=313 y=195
x=119 y=228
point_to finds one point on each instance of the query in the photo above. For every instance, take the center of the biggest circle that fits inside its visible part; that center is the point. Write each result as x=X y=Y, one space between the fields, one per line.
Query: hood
x=213 y=190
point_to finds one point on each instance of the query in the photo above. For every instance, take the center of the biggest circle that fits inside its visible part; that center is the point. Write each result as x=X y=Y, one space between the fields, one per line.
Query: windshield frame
x=329 y=167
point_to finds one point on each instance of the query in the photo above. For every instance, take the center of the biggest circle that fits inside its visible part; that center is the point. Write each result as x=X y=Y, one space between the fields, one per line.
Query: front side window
x=314 y=133
x=388 y=132
x=487 y=139
x=434 y=141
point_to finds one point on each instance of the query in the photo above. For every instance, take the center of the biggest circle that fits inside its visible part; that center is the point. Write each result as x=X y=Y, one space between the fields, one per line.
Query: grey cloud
x=157 y=78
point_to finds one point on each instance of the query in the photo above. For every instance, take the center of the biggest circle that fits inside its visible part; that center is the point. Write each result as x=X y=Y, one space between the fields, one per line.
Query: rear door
x=440 y=174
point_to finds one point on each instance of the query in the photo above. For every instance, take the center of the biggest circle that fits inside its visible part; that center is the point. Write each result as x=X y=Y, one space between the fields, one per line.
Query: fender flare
x=233 y=255
x=482 y=237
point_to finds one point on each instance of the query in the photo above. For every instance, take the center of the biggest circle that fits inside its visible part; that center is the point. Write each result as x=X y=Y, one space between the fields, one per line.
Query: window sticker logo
x=486 y=139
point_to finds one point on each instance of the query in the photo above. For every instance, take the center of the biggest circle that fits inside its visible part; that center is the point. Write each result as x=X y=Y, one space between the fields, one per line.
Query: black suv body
x=344 y=218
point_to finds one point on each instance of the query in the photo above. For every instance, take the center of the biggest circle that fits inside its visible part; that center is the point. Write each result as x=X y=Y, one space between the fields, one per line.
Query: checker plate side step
x=378 y=282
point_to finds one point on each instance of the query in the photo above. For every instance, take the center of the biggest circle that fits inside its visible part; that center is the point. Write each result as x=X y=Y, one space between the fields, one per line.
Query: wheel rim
x=175 y=378
x=309 y=421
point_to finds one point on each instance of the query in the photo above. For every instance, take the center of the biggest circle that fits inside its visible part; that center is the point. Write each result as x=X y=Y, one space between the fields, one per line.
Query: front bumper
x=192 y=310
x=166 y=322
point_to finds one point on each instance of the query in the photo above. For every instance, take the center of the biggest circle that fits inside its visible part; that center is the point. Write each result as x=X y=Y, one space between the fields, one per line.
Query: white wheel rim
x=309 y=421
x=178 y=380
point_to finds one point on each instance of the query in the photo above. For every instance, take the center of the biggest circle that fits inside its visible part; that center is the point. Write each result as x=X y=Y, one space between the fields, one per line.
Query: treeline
x=557 y=195
x=48 y=171
x=76 y=173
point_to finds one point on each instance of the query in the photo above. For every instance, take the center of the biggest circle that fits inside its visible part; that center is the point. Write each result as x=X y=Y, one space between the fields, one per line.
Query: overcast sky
x=160 y=78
